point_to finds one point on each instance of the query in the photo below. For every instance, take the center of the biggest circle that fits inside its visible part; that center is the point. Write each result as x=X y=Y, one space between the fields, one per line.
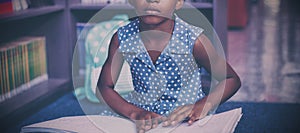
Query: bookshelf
x=50 y=22
x=19 y=15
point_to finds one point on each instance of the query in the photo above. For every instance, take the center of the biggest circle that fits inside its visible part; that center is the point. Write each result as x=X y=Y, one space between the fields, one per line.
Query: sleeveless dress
x=173 y=80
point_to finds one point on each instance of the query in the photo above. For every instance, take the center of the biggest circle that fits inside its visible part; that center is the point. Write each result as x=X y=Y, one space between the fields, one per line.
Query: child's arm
x=108 y=77
x=229 y=82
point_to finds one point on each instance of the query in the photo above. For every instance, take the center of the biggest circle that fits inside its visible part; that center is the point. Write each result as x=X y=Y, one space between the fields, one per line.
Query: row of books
x=23 y=64
x=104 y=1
x=8 y=6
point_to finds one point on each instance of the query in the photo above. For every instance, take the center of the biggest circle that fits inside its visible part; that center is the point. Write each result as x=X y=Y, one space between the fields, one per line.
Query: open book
x=224 y=122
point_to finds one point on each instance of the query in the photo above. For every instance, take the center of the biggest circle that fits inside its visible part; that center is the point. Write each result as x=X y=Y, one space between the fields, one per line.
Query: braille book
x=224 y=122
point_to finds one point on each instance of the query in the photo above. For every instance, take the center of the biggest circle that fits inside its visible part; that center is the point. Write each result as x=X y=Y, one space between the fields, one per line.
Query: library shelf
x=25 y=104
x=52 y=23
x=100 y=6
x=34 y=12
x=199 y=5
x=33 y=95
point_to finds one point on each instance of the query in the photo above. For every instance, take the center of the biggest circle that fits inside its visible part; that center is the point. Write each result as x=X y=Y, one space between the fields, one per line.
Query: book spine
x=33 y=50
x=30 y=60
x=1 y=76
x=44 y=57
x=13 y=71
x=9 y=71
x=23 y=64
x=6 y=72
x=16 y=5
x=37 y=59
x=34 y=59
x=24 y=4
x=6 y=83
x=17 y=70
x=41 y=53
x=3 y=90
x=6 y=7
x=17 y=62
x=3 y=73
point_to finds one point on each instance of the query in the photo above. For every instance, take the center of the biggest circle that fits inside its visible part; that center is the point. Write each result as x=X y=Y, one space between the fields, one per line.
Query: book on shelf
x=6 y=6
x=104 y=1
x=224 y=122
x=17 y=5
x=9 y=6
x=23 y=64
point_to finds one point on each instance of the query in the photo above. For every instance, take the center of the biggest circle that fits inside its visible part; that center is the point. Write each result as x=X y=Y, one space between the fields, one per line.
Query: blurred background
x=264 y=48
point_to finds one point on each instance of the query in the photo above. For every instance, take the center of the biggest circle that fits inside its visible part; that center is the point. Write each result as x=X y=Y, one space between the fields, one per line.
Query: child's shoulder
x=129 y=29
x=182 y=25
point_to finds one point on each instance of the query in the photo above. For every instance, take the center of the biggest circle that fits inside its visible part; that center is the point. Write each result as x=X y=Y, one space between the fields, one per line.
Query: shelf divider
x=39 y=92
x=100 y=6
x=23 y=14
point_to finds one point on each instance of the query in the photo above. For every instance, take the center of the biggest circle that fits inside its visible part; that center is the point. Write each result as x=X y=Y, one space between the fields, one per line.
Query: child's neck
x=166 y=25
x=157 y=34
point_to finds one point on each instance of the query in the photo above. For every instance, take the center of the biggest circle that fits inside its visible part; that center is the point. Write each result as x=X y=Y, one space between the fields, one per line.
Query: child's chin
x=153 y=19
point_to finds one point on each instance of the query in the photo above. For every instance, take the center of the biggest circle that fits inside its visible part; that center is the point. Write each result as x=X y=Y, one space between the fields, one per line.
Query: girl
x=165 y=55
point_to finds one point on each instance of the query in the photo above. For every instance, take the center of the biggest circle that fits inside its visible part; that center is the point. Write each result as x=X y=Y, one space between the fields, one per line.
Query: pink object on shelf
x=237 y=13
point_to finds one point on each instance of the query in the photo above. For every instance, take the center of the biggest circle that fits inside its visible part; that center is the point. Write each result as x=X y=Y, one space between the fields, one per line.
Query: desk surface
x=257 y=117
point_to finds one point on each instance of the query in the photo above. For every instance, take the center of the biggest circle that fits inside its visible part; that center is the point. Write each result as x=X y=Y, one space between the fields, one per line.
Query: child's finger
x=156 y=119
x=140 y=126
x=194 y=116
x=176 y=119
x=162 y=119
x=141 y=131
x=148 y=122
x=192 y=119
x=155 y=123
x=179 y=118
x=184 y=109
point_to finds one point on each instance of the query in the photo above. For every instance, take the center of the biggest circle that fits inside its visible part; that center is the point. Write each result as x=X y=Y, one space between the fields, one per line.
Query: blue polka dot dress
x=173 y=80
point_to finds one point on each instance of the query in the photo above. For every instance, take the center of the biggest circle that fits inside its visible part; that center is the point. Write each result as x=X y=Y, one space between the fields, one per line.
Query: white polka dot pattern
x=173 y=80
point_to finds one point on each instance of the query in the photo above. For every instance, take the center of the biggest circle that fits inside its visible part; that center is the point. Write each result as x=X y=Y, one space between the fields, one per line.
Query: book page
x=78 y=124
x=219 y=123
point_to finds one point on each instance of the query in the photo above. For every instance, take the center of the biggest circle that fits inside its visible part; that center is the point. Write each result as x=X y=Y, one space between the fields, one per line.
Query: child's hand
x=192 y=112
x=145 y=120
